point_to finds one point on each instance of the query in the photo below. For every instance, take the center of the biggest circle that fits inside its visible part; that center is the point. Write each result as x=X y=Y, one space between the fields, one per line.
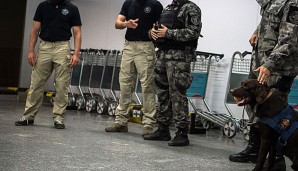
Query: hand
x=74 y=60
x=153 y=32
x=161 y=32
x=264 y=74
x=32 y=58
x=132 y=23
x=253 y=39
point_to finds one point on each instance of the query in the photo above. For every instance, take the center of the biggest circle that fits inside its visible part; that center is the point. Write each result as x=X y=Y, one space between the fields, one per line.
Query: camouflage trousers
x=172 y=78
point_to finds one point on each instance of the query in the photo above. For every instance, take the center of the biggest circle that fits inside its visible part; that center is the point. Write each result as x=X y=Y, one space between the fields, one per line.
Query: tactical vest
x=169 y=19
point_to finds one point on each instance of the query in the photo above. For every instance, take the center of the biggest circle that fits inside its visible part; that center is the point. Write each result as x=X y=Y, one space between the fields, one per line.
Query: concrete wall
x=227 y=26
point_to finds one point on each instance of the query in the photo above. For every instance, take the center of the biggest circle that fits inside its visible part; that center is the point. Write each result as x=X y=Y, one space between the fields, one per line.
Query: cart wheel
x=206 y=124
x=112 y=108
x=71 y=100
x=140 y=113
x=213 y=126
x=80 y=103
x=52 y=101
x=246 y=132
x=137 y=113
x=90 y=105
x=230 y=128
x=101 y=107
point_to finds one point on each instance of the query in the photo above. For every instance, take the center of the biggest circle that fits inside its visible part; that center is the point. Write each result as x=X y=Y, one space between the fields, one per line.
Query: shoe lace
x=58 y=122
x=23 y=118
x=179 y=134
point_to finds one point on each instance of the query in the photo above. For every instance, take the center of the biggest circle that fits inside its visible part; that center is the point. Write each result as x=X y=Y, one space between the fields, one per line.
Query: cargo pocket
x=182 y=79
x=126 y=43
x=160 y=78
x=41 y=46
x=68 y=57
x=65 y=61
x=150 y=57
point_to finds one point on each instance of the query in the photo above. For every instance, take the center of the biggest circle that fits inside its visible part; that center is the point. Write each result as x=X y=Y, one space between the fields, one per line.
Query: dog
x=267 y=107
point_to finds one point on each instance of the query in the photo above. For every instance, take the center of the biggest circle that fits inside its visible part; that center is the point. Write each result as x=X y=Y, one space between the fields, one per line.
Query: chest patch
x=293 y=15
x=147 y=10
x=65 y=11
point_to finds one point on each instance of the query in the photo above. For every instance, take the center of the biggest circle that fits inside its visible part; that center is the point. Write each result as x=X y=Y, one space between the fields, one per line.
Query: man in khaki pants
x=53 y=21
x=138 y=57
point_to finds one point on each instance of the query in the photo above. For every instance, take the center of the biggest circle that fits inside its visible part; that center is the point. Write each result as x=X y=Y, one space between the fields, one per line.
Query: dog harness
x=285 y=124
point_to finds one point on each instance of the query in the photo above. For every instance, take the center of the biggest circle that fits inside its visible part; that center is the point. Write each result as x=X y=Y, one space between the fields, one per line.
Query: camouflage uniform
x=173 y=68
x=277 y=48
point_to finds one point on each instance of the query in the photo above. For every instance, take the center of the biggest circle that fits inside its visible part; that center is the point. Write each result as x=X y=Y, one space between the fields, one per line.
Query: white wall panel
x=25 y=67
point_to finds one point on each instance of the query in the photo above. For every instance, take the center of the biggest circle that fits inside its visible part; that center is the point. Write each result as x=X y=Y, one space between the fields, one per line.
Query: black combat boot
x=161 y=134
x=250 y=154
x=279 y=163
x=181 y=138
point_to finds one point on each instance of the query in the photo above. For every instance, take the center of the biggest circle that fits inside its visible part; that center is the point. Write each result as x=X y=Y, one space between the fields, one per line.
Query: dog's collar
x=268 y=95
x=257 y=105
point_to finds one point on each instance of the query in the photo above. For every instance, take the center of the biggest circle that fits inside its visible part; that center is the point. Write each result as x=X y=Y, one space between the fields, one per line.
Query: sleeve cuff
x=169 y=34
x=269 y=66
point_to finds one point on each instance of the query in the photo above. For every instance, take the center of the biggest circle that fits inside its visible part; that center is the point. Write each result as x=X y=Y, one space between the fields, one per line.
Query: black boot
x=250 y=154
x=181 y=138
x=279 y=163
x=161 y=134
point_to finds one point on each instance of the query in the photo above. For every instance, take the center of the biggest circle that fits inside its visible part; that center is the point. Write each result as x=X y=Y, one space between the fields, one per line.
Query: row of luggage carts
x=238 y=72
x=94 y=87
x=94 y=84
x=94 y=81
x=205 y=66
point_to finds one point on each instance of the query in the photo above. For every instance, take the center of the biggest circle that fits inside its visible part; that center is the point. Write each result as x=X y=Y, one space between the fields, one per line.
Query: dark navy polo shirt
x=57 y=20
x=147 y=11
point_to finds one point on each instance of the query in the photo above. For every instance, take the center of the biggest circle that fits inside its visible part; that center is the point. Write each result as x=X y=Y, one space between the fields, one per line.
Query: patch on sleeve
x=195 y=19
x=293 y=15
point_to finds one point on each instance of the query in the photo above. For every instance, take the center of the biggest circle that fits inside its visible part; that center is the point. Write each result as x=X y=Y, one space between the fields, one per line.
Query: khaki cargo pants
x=51 y=56
x=138 y=59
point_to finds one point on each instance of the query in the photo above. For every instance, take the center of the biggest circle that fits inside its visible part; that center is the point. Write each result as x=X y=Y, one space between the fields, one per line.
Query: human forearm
x=186 y=34
x=32 y=42
x=120 y=24
x=257 y=29
x=33 y=39
x=77 y=40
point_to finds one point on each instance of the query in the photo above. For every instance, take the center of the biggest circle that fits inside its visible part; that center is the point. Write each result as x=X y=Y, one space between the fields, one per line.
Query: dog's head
x=250 y=92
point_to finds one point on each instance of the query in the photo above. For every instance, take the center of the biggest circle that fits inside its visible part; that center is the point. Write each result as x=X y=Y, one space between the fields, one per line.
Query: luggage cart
x=200 y=72
x=74 y=82
x=94 y=79
x=137 y=106
x=197 y=89
x=109 y=100
x=239 y=70
x=293 y=95
x=86 y=64
x=115 y=85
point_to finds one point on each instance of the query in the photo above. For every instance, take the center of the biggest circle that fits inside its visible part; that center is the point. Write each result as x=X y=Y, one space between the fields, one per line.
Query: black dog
x=268 y=107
